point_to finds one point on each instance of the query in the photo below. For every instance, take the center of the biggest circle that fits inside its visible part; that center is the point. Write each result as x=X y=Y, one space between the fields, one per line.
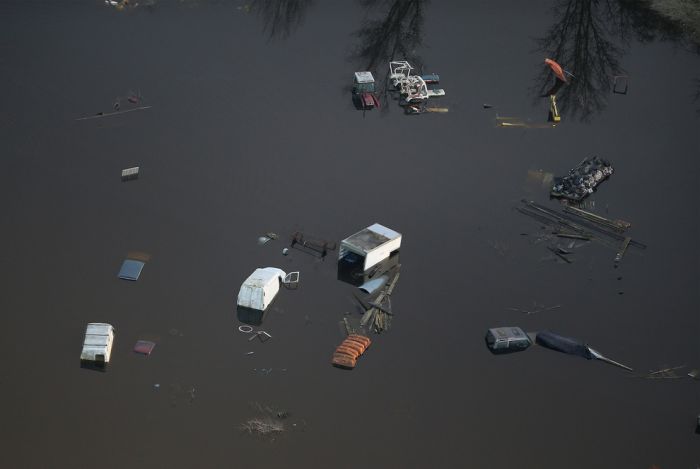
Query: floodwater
x=251 y=130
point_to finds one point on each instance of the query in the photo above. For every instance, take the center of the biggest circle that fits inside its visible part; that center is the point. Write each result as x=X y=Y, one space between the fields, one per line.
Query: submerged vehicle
x=583 y=179
x=363 y=91
x=507 y=340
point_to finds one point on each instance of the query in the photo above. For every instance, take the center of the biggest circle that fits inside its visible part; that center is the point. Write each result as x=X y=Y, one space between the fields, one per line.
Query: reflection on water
x=393 y=30
x=580 y=40
x=280 y=17
x=589 y=38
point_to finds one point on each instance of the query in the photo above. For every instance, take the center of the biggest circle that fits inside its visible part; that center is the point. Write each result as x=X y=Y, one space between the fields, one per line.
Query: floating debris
x=129 y=174
x=263 y=240
x=567 y=223
x=557 y=69
x=583 y=179
x=553 y=110
x=620 y=254
x=260 y=335
x=561 y=234
x=571 y=346
x=560 y=253
x=144 y=347
x=116 y=113
x=507 y=340
x=268 y=424
x=662 y=373
x=537 y=308
x=620 y=84
x=347 y=353
x=617 y=225
x=377 y=316
x=518 y=122
x=131 y=269
x=375 y=284
x=314 y=246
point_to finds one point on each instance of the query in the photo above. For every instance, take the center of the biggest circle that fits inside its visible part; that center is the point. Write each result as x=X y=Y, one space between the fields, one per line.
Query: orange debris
x=556 y=68
x=347 y=353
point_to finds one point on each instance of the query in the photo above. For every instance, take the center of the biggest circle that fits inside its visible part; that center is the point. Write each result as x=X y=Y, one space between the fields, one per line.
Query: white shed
x=373 y=244
x=97 y=346
x=258 y=290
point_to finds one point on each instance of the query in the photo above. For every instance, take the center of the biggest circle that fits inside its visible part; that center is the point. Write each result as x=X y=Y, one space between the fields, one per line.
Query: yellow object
x=553 y=108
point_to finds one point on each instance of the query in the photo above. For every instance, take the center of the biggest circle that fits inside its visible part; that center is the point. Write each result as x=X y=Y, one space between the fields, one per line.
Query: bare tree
x=281 y=17
x=393 y=30
x=589 y=38
x=580 y=41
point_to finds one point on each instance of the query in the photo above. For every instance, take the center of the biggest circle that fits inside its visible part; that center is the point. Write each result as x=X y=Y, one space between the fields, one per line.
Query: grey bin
x=507 y=340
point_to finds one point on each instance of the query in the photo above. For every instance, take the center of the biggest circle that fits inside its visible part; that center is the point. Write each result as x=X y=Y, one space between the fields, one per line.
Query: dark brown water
x=252 y=130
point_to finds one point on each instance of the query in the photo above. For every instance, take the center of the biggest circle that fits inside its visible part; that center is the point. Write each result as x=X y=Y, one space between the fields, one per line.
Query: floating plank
x=130 y=173
x=116 y=113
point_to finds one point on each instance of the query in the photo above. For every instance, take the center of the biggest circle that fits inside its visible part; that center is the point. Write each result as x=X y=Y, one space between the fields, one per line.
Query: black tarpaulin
x=563 y=344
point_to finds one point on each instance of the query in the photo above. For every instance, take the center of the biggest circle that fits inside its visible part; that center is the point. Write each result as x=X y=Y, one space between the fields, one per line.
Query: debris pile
x=512 y=339
x=577 y=224
x=413 y=89
x=583 y=179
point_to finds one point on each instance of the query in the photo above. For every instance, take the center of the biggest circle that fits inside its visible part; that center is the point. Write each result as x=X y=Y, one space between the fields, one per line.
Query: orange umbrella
x=556 y=68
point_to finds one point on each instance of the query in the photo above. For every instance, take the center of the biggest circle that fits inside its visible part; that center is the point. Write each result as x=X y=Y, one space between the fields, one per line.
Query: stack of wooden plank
x=349 y=351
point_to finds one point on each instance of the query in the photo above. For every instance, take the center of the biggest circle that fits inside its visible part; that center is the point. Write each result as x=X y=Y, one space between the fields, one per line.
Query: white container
x=97 y=346
x=258 y=290
x=373 y=244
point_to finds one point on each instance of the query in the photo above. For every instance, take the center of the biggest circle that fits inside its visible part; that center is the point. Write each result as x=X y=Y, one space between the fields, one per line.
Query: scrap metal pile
x=583 y=179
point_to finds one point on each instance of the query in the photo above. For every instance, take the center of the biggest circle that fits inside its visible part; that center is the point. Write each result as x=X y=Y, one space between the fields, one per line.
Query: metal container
x=507 y=340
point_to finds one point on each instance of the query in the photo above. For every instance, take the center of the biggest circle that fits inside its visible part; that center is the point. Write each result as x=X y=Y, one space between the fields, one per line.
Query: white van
x=258 y=290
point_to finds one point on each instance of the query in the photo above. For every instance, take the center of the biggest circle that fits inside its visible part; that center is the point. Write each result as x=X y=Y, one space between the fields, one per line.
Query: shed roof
x=371 y=238
x=364 y=77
